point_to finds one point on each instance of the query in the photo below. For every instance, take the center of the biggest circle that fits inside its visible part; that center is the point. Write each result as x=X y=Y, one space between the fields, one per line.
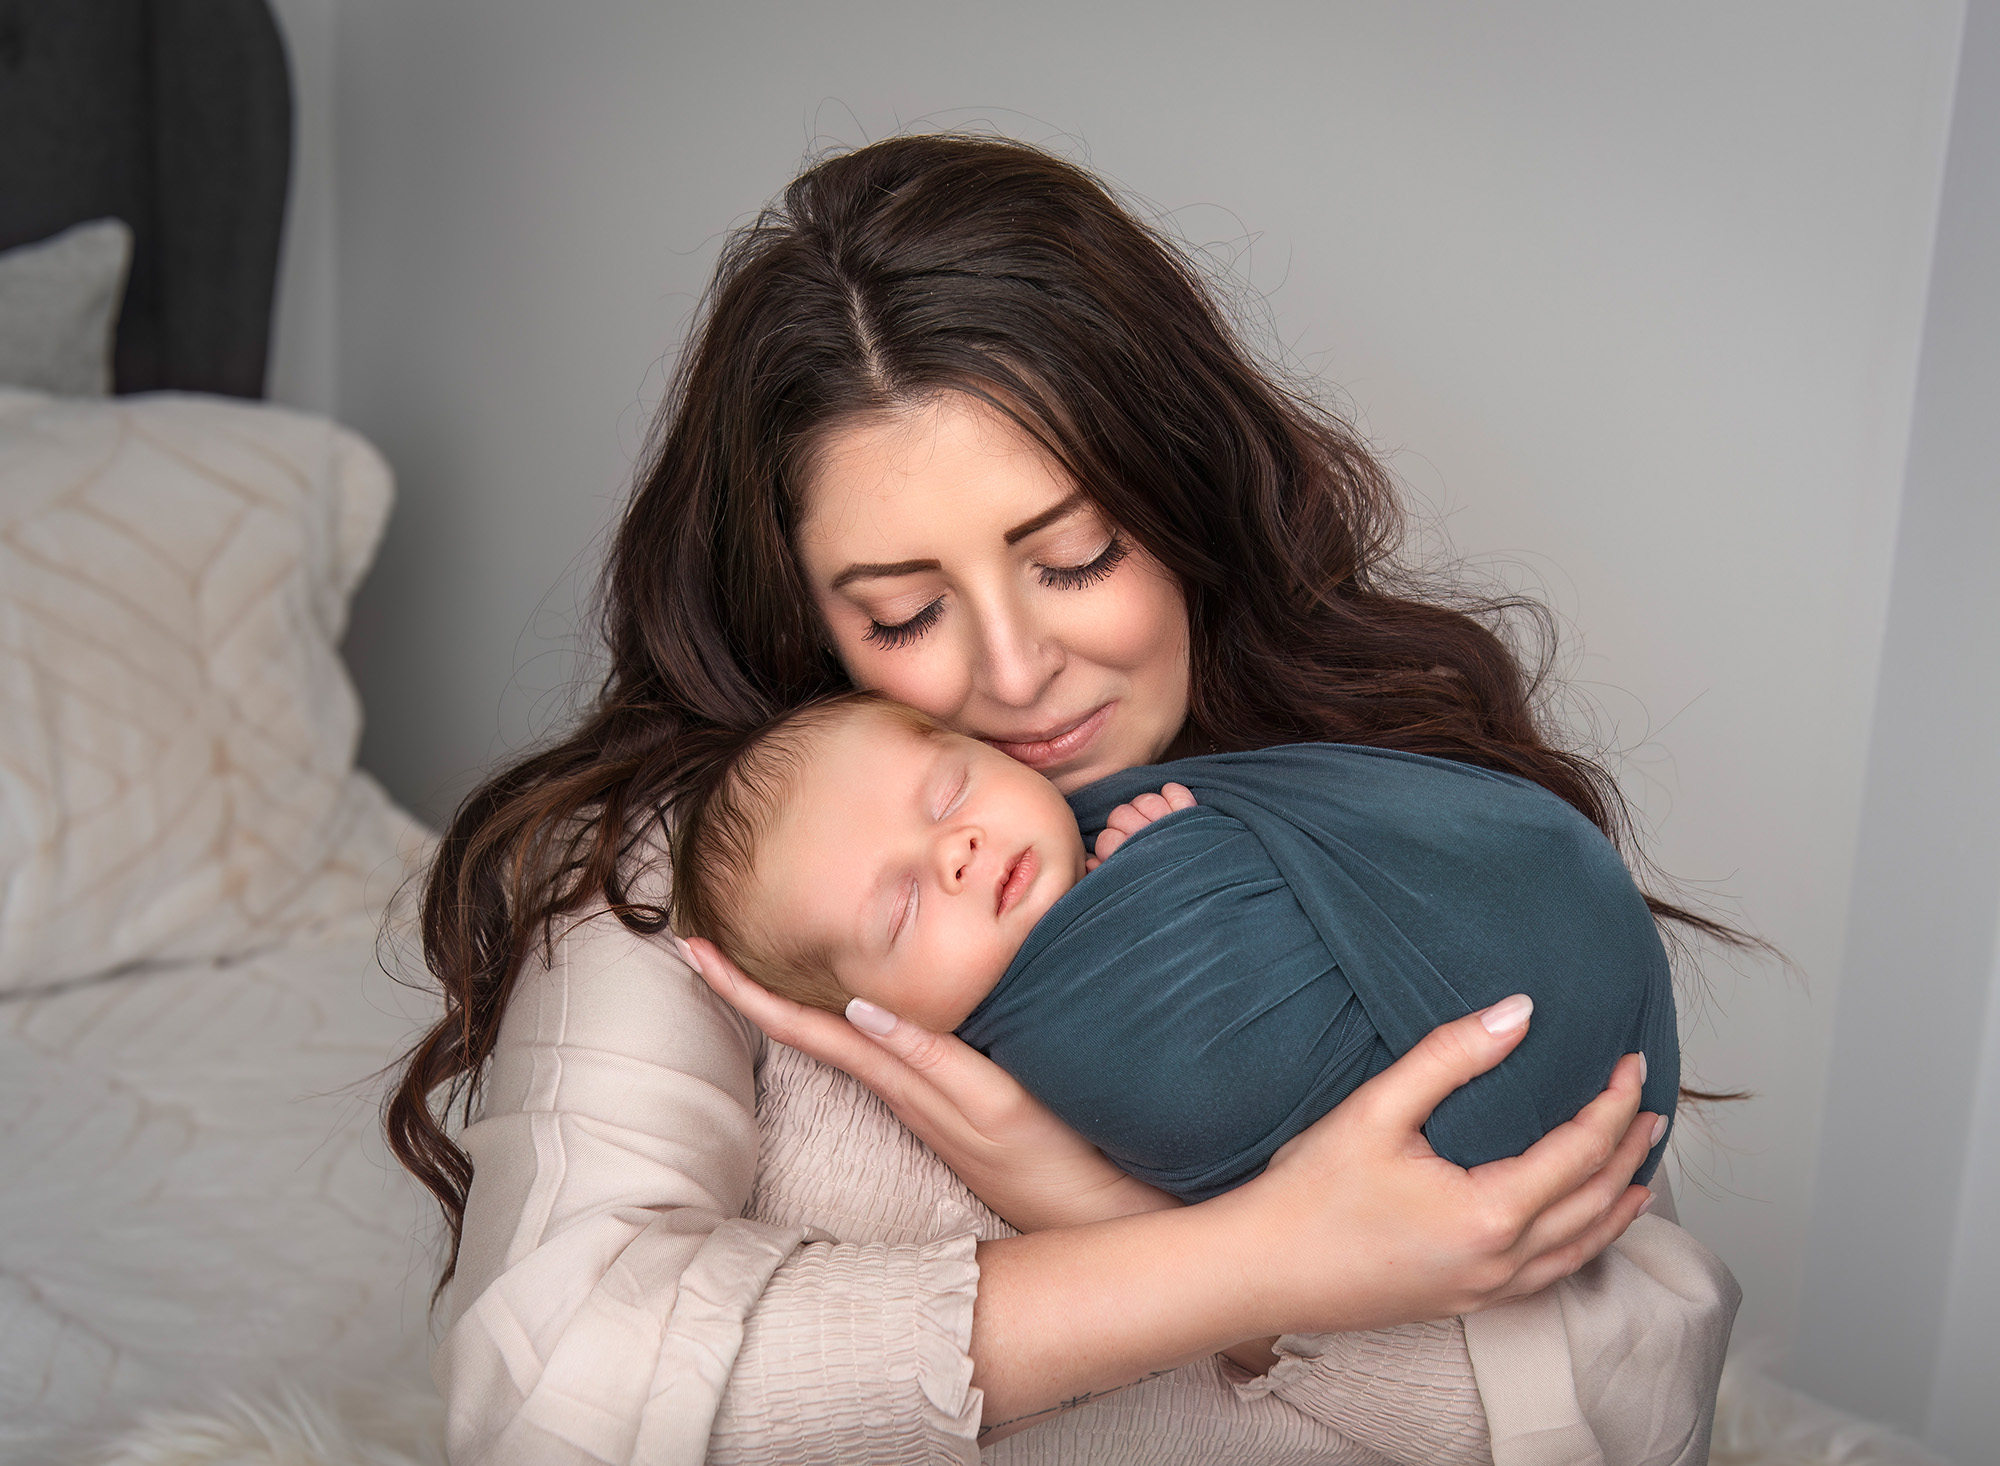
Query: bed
x=195 y=989
x=194 y=962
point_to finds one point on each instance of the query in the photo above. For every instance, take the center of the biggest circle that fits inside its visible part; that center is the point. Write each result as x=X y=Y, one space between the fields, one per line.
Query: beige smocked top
x=685 y=1242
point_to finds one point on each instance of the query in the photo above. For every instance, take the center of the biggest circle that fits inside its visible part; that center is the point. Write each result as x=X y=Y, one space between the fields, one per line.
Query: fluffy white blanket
x=1759 y=1422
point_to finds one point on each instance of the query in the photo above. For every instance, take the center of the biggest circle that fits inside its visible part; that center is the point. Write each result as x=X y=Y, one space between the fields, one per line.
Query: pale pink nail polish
x=1647 y=1205
x=1659 y=1132
x=1508 y=1015
x=865 y=1016
x=1642 y=1068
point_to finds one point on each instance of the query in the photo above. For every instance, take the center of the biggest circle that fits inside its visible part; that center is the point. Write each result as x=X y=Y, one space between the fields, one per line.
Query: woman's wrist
x=1126 y=1196
x=1069 y=1315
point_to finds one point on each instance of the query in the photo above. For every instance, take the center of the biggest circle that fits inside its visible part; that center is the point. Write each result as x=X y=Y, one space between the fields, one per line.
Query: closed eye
x=955 y=793
x=904 y=909
x=902 y=633
x=1075 y=577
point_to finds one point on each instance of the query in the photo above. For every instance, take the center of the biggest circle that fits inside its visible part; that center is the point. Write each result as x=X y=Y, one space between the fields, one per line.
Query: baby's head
x=858 y=849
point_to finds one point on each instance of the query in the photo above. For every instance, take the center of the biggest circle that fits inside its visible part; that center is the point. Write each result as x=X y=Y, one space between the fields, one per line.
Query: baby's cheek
x=978 y=978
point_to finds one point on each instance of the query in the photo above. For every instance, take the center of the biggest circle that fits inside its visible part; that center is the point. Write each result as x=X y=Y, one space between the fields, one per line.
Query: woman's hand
x=1362 y=1225
x=1008 y=1147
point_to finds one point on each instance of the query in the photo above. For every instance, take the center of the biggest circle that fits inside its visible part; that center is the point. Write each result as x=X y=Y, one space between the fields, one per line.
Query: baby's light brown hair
x=720 y=826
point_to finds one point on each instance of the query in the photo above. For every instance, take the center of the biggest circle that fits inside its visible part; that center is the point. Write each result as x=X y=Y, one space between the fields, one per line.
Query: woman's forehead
x=953 y=463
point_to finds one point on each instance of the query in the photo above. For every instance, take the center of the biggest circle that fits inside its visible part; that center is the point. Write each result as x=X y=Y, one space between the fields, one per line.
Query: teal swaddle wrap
x=1235 y=970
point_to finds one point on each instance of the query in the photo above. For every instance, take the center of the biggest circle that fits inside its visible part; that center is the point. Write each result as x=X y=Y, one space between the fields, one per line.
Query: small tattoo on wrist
x=1070 y=1404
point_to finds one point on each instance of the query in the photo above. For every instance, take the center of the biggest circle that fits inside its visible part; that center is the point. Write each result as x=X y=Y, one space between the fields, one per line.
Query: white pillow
x=175 y=722
x=59 y=308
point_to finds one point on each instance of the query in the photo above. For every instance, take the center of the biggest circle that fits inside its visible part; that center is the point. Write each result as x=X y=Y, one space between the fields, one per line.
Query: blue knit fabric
x=1235 y=970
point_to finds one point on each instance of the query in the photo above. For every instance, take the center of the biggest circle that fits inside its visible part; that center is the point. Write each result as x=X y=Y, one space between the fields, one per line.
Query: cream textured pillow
x=176 y=727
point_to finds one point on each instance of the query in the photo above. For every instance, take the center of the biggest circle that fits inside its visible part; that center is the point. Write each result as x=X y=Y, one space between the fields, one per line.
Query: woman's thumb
x=1447 y=1057
x=915 y=1045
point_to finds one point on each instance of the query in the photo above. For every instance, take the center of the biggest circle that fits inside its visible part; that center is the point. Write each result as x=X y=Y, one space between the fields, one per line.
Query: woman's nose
x=1018 y=657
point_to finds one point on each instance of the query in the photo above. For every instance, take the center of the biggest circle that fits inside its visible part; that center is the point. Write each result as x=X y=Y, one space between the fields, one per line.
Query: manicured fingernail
x=1642 y=1068
x=1508 y=1015
x=1647 y=1205
x=1659 y=1132
x=687 y=954
x=865 y=1016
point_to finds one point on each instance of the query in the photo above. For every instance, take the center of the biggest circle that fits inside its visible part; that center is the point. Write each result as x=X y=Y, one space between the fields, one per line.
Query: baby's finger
x=1108 y=840
x=1177 y=796
x=1126 y=819
x=1152 y=807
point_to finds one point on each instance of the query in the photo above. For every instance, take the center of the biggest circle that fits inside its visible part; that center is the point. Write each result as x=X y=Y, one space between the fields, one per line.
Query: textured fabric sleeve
x=858 y=1354
x=1615 y=1366
x=608 y=1278
x=1194 y=1416
x=1406 y=1393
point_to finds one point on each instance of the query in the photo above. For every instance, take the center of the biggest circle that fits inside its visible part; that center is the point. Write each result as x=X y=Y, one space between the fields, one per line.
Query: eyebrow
x=876 y=572
x=1043 y=520
x=1013 y=536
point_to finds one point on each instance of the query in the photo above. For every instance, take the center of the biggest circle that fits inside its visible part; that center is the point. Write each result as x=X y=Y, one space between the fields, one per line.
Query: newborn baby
x=1245 y=955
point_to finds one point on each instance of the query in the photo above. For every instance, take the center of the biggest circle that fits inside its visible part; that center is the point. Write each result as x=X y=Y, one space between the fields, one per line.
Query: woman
x=957 y=428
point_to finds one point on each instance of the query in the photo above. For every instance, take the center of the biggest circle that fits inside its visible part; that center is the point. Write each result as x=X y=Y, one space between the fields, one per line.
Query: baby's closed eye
x=1128 y=819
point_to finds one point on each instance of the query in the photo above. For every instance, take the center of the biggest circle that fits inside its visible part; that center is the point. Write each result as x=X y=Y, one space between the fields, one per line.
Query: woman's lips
x=1016 y=880
x=1058 y=746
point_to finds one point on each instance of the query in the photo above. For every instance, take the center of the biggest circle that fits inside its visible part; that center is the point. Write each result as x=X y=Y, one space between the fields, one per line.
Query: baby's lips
x=1015 y=880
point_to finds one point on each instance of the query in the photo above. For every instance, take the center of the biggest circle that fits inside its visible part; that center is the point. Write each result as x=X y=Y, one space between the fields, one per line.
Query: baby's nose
x=959 y=856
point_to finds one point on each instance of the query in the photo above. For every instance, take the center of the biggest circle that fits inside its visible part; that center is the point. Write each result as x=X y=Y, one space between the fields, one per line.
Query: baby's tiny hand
x=1128 y=819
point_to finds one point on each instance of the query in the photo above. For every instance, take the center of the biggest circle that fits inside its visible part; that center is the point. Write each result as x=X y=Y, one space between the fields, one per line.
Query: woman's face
x=960 y=571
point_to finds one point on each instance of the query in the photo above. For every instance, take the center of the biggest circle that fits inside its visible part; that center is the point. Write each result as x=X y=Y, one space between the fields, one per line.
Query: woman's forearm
x=1066 y=1316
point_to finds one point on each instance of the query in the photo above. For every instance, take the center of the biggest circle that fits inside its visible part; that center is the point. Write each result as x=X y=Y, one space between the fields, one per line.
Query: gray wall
x=1633 y=297
x=1902 y=1285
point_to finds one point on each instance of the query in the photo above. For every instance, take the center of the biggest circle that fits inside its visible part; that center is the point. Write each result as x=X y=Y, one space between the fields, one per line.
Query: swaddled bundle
x=1235 y=970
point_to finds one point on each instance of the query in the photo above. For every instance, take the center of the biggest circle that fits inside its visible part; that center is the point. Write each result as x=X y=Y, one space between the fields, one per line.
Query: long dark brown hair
x=884 y=277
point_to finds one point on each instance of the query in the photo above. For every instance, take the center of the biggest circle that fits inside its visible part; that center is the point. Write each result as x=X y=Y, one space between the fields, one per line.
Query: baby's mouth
x=1015 y=880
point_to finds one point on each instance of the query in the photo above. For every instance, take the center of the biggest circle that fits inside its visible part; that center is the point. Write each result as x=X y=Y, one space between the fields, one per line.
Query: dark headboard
x=175 y=116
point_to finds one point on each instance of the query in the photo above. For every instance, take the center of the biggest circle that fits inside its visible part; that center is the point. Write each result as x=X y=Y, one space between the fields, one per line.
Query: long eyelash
x=1057 y=577
x=904 y=632
x=1075 y=577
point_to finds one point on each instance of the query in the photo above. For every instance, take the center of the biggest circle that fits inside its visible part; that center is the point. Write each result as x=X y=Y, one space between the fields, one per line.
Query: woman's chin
x=1108 y=757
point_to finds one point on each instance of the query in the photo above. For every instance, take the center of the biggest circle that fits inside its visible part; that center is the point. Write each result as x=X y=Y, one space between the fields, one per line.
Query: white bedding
x=197 y=1197
x=194 y=1196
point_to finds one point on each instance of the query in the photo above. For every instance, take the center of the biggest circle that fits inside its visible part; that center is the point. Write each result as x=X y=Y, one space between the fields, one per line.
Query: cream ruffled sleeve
x=611 y=1301
x=1616 y=1366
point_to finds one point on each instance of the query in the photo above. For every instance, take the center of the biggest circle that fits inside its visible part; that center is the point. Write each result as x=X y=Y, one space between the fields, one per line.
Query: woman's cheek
x=897 y=672
x=928 y=676
x=1139 y=626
